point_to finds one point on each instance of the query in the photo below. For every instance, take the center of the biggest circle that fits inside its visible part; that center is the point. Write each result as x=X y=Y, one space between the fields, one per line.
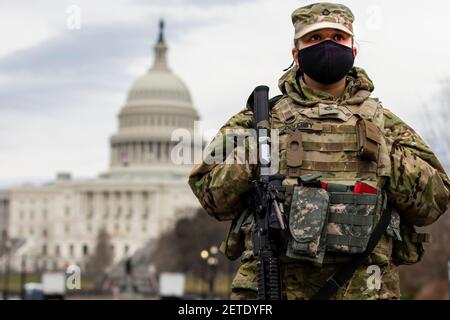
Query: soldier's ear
x=355 y=46
x=295 y=55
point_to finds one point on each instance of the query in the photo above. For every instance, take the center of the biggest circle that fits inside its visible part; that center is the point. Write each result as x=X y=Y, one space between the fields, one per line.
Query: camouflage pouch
x=307 y=218
x=351 y=220
x=369 y=139
x=234 y=244
x=410 y=249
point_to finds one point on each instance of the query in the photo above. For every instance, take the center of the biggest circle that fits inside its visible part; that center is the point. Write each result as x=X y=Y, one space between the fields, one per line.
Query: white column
x=138 y=150
x=153 y=151
x=130 y=152
x=118 y=153
x=164 y=151
x=146 y=152
x=168 y=152
x=122 y=151
x=111 y=155
x=158 y=150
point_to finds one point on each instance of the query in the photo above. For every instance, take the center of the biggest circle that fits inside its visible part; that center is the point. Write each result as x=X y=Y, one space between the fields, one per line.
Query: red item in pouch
x=361 y=187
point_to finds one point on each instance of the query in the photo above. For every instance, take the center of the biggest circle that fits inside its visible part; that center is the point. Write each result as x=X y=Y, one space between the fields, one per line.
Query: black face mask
x=326 y=62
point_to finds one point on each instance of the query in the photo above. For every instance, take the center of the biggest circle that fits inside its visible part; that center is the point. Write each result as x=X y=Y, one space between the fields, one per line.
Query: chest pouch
x=369 y=138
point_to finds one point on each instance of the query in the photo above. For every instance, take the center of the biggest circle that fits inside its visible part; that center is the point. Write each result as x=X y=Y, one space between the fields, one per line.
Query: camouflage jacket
x=418 y=185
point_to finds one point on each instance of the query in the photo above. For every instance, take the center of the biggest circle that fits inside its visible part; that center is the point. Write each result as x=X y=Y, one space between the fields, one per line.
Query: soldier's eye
x=338 y=37
x=315 y=37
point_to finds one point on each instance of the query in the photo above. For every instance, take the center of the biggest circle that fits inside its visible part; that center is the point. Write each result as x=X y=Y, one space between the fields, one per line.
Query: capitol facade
x=141 y=195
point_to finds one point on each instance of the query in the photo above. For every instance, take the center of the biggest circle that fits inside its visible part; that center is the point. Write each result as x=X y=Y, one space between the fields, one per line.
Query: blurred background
x=90 y=94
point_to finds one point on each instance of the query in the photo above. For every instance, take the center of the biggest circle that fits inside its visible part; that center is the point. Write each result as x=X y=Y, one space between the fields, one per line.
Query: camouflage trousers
x=302 y=281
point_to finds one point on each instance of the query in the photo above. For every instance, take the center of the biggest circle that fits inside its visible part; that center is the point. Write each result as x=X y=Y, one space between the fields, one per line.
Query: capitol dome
x=160 y=84
x=157 y=103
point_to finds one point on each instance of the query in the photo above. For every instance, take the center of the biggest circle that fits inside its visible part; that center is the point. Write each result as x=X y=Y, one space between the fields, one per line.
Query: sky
x=61 y=87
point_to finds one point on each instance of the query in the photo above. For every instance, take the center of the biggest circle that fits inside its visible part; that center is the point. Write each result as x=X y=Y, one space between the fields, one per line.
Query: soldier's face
x=319 y=36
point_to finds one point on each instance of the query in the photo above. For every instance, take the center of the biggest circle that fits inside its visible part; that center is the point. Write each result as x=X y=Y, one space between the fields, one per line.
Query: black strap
x=350 y=241
x=351 y=219
x=273 y=101
x=340 y=278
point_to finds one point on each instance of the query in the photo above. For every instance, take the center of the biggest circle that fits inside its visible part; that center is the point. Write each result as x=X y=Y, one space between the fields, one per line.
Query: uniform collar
x=358 y=88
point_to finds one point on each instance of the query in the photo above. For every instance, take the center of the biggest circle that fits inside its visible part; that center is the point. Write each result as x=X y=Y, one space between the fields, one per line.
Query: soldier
x=358 y=147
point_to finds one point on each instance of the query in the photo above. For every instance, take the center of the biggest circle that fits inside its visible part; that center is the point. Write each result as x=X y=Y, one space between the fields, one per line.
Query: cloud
x=59 y=99
x=60 y=93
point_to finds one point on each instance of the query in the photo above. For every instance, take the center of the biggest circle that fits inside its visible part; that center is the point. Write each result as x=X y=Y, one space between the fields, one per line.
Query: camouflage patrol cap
x=320 y=16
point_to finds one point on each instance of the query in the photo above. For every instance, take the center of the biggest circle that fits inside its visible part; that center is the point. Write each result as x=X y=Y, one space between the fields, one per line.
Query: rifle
x=265 y=202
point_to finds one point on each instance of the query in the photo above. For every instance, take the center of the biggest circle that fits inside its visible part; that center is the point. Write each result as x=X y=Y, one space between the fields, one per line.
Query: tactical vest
x=345 y=145
x=324 y=139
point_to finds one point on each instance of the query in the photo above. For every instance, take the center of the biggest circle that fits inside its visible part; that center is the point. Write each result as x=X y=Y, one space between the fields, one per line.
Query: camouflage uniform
x=415 y=183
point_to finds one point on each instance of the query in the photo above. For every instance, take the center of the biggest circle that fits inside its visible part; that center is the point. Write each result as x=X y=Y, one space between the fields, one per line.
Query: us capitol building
x=141 y=195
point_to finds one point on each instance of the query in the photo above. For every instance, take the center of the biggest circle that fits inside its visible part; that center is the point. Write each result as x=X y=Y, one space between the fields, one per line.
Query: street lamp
x=7 y=247
x=214 y=250
x=23 y=277
x=212 y=262
x=204 y=254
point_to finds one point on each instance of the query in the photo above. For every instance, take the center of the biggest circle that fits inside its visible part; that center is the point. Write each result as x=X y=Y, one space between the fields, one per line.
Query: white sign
x=54 y=282
x=171 y=284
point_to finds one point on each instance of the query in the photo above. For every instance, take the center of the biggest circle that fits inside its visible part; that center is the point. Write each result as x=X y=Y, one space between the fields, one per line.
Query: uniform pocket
x=409 y=250
x=307 y=218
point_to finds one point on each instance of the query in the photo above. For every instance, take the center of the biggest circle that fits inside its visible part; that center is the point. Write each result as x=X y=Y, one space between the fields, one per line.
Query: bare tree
x=431 y=272
x=102 y=258
x=178 y=250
